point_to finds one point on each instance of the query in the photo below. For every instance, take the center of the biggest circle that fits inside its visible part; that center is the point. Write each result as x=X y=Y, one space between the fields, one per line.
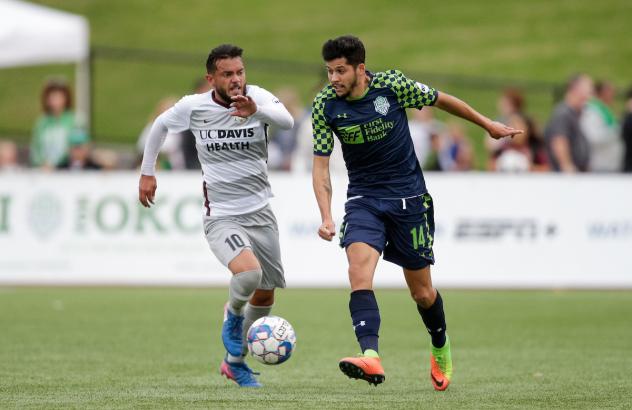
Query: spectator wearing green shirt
x=52 y=132
x=602 y=130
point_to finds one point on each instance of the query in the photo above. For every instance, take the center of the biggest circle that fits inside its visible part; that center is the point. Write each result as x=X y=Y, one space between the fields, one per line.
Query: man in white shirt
x=230 y=124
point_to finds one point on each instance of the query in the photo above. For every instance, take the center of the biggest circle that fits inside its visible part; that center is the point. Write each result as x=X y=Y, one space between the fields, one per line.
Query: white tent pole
x=82 y=93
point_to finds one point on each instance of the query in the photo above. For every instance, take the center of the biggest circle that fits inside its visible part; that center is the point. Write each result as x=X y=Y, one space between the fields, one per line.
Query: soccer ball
x=271 y=340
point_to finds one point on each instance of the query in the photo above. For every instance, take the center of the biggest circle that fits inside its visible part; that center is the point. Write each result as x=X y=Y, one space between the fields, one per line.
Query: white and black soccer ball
x=271 y=340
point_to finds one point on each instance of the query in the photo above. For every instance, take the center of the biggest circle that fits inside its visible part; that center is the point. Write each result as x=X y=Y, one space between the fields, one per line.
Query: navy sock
x=434 y=319
x=365 y=316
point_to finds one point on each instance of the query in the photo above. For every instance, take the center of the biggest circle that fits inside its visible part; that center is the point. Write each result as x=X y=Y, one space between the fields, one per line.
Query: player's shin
x=434 y=319
x=365 y=316
x=252 y=313
x=242 y=285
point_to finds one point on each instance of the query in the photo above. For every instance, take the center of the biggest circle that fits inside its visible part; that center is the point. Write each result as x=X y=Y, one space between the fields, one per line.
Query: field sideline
x=160 y=348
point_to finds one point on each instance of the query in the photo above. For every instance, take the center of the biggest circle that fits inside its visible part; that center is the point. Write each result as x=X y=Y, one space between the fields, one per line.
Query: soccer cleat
x=240 y=373
x=363 y=367
x=441 y=366
x=231 y=332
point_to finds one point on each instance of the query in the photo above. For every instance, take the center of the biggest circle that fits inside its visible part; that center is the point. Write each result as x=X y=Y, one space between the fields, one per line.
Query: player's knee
x=423 y=296
x=246 y=282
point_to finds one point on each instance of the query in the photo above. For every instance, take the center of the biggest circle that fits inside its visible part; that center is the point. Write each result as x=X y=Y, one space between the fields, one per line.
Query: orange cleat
x=439 y=381
x=441 y=366
x=364 y=368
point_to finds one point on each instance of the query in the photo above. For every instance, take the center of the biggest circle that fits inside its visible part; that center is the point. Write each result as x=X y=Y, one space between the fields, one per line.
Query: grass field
x=538 y=40
x=160 y=348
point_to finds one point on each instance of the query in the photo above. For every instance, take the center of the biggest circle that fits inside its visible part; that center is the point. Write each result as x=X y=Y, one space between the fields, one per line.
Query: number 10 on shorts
x=234 y=241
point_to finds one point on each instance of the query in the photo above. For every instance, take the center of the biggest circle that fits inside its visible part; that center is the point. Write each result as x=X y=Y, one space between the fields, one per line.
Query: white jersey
x=232 y=150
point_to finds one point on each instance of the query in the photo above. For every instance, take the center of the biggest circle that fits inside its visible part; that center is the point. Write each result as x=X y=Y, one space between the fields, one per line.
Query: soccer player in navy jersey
x=388 y=208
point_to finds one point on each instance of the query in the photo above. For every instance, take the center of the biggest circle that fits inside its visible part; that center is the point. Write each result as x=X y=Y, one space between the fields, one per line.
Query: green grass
x=160 y=348
x=537 y=40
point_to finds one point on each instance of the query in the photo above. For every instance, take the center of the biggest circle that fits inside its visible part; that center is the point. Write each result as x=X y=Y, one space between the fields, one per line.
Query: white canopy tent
x=31 y=34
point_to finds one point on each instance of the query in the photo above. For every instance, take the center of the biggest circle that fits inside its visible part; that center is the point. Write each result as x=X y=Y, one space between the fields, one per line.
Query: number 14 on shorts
x=419 y=238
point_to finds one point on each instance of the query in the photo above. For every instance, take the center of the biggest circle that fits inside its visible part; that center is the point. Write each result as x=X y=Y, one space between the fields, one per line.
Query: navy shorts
x=403 y=229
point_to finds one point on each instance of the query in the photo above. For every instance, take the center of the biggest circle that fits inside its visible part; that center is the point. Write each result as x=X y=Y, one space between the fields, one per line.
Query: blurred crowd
x=584 y=133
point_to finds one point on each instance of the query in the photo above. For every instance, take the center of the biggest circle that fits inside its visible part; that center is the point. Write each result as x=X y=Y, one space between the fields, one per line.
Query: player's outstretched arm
x=322 y=189
x=147 y=184
x=455 y=106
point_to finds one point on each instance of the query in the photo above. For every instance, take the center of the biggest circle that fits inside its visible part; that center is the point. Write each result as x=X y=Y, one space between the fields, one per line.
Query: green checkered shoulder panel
x=410 y=93
x=323 y=137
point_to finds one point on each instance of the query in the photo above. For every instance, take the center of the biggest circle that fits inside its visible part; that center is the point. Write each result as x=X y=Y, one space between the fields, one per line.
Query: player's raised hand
x=327 y=230
x=147 y=190
x=244 y=106
x=499 y=130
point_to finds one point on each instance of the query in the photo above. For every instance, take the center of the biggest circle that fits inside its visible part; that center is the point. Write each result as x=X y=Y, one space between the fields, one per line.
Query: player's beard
x=227 y=98
x=354 y=83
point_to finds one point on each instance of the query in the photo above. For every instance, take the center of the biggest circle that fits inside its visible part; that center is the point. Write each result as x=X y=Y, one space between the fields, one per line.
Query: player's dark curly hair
x=219 y=53
x=349 y=47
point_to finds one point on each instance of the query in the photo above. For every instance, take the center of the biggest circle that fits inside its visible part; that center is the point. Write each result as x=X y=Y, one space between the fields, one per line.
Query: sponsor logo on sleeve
x=423 y=87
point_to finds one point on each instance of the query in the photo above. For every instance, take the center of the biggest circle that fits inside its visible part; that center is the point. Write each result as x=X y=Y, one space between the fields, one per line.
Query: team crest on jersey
x=381 y=105
x=239 y=120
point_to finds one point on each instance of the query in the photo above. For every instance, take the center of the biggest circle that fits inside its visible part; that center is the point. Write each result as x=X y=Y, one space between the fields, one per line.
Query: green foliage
x=161 y=348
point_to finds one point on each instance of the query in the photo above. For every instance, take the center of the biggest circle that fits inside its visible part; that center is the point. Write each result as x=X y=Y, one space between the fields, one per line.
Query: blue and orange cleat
x=232 y=332
x=364 y=367
x=441 y=366
x=240 y=373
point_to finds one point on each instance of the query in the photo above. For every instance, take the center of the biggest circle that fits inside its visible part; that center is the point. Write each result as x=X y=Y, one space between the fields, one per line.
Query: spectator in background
x=601 y=128
x=432 y=159
x=171 y=156
x=80 y=157
x=626 y=132
x=283 y=142
x=454 y=149
x=515 y=154
x=52 y=132
x=424 y=129
x=187 y=139
x=106 y=159
x=510 y=102
x=523 y=152
x=9 y=156
x=537 y=147
x=566 y=143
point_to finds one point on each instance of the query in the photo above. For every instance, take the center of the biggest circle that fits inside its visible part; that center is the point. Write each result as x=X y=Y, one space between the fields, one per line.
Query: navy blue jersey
x=373 y=130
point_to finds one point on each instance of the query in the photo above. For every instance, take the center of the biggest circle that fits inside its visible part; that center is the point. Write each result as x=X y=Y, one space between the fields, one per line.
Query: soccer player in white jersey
x=230 y=125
